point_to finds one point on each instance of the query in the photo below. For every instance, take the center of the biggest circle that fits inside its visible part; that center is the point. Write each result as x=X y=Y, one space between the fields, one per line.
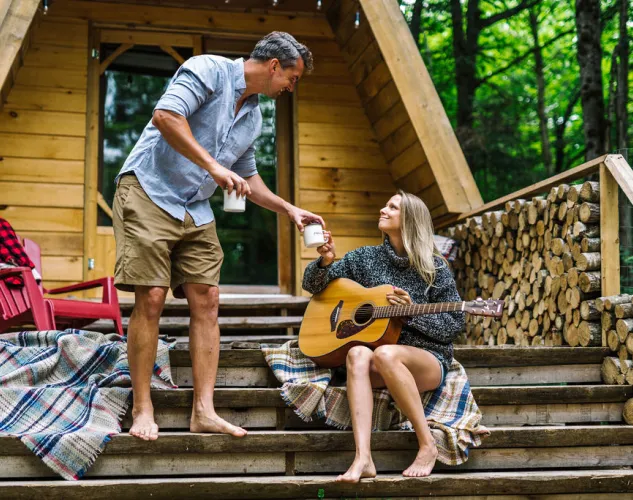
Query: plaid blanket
x=450 y=410
x=63 y=393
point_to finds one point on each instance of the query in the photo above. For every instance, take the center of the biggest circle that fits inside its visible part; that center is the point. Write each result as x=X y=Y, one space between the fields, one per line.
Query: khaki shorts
x=155 y=249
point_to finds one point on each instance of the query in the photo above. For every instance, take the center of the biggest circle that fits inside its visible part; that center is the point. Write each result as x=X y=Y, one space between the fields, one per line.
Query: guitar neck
x=417 y=309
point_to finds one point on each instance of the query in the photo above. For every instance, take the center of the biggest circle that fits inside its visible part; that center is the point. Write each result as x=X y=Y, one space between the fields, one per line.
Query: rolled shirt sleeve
x=245 y=165
x=192 y=84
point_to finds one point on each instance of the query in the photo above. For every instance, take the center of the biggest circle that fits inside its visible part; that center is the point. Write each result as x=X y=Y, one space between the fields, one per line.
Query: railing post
x=609 y=236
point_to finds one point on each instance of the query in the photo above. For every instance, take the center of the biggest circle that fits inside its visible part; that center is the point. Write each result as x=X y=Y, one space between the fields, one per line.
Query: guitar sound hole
x=363 y=314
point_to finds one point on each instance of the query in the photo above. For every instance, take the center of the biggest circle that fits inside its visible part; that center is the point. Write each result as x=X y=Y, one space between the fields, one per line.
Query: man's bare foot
x=203 y=423
x=360 y=468
x=143 y=426
x=423 y=463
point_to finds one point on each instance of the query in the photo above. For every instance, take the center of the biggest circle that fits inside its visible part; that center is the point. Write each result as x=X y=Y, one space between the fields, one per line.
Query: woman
x=408 y=260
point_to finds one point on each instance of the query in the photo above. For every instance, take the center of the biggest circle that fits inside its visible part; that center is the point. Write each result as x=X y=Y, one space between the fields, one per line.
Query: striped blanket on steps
x=451 y=410
x=64 y=393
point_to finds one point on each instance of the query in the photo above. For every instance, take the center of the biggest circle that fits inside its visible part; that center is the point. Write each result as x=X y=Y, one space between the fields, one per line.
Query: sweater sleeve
x=443 y=327
x=316 y=278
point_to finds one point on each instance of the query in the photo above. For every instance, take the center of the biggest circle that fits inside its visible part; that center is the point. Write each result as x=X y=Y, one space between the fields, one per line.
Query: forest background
x=532 y=87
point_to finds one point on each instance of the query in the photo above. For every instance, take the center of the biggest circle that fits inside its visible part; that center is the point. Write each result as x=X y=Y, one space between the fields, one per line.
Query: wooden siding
x=42 y=143
x=410 y=124
x=343 y=175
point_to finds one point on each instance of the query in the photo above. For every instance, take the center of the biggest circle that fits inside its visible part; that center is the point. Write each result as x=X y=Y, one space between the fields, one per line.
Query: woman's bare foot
x=360 y=468
x=423 y=463
x=213 y=423
x=143 y=425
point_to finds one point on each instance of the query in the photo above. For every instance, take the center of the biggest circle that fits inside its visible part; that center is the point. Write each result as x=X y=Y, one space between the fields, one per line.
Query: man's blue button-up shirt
x=205 y=90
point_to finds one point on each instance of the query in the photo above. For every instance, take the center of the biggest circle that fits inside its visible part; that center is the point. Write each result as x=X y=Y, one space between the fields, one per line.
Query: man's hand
x=302 y=217
x=229 y=180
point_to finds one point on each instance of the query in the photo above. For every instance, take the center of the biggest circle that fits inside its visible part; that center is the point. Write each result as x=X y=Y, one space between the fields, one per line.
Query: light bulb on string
x=45 y=7
x=275 y=2
x=357 y=20
x=319 y=4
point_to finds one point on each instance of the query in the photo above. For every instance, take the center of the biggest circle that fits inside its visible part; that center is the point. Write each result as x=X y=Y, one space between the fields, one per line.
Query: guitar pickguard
x=348 y=328
x=336 y=312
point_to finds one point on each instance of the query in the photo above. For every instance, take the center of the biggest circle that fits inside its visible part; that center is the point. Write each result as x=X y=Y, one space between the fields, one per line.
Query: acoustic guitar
x=347 y=314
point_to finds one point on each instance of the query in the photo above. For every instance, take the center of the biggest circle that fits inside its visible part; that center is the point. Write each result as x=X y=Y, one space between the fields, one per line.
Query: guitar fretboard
x=416 y=309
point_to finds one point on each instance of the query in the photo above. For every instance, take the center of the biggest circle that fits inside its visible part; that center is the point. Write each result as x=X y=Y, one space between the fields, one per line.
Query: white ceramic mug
x=233 y=203
x=313 y=235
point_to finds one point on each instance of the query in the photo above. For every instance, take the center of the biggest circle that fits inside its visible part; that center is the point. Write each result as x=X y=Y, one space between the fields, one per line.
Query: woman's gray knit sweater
x=380 y=265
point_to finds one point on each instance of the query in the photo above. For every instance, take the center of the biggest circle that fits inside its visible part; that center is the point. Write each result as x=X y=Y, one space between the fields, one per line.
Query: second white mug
x=234 y=203
x=313 y=235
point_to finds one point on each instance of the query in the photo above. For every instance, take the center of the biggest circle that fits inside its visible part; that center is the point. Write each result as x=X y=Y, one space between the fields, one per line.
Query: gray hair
x=282 y=46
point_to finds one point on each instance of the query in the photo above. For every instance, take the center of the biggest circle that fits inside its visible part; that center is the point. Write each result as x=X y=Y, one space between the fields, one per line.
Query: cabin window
x=129 y=90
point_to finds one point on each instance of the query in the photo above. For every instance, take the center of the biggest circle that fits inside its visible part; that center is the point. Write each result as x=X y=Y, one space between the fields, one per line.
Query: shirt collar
x=238 y=75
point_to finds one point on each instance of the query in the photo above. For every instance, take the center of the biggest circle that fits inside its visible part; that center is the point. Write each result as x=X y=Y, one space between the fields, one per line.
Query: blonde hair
x=416 y=227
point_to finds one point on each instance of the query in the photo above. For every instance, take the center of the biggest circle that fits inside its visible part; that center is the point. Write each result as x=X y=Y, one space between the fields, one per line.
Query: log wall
x=42 y=141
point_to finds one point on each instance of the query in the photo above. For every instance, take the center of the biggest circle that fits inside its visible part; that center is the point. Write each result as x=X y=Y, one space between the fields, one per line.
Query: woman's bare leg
x=361 y=403
x=408 y=371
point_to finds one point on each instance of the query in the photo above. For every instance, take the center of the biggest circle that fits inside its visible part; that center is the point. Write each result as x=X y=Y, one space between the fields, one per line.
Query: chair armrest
x=86 y=285
x=12 y=271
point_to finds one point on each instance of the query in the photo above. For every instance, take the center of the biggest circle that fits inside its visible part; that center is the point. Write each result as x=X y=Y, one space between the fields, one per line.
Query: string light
x=357 y=20
x=45 y=7
x=319 y=4
x=275 y=2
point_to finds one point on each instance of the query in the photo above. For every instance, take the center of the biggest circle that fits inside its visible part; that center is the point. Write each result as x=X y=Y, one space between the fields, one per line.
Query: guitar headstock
x=481 y=307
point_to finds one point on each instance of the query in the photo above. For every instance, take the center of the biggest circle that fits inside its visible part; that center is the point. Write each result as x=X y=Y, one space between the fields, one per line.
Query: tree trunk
x=621 y=118
x=540 y=85
x=416 y=22
x=465 y=48
x=590 y=59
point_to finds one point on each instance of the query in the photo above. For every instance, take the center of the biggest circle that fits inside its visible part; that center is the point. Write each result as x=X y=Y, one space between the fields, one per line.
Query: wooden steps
x=470 y=485
x=312 y=452
x=556 y=430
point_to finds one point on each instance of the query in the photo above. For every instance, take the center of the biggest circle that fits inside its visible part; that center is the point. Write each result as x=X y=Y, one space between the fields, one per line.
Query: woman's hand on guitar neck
x=327 y=251
x=399 y=297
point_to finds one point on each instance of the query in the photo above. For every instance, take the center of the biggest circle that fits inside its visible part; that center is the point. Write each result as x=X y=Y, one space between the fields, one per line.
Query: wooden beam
x=124 y=47
x=609 y=236
x=173 y=53
x=285 y=189
x=103 y=205
x=91 y=172
x=13 y=31
x=422 y=104
x=140 y=37
x=219 y=21
x=540 y=187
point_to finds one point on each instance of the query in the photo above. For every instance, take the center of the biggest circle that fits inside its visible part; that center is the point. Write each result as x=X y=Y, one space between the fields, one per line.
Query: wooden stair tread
x=293 y=487
x=232 y=301
x=174 y=323
x=271 y=397
x=336 y=440
x=494 y=356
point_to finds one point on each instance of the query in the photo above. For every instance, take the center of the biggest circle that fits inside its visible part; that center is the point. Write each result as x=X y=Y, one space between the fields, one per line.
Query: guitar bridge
x=336 y=312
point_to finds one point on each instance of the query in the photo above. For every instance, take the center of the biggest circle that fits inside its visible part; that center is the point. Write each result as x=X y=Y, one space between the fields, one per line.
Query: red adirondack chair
x=25 y=304
x=78 y=313
x=19 y=305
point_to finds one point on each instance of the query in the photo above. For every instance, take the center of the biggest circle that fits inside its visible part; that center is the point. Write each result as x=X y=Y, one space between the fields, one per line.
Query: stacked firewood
x=616 y=315
x=542 y=256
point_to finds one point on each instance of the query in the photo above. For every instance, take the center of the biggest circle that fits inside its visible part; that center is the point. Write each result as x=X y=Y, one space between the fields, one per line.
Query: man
x=201 y=136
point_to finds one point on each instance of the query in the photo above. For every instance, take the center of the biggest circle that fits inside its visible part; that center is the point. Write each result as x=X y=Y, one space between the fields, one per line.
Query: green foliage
x=505 y=146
